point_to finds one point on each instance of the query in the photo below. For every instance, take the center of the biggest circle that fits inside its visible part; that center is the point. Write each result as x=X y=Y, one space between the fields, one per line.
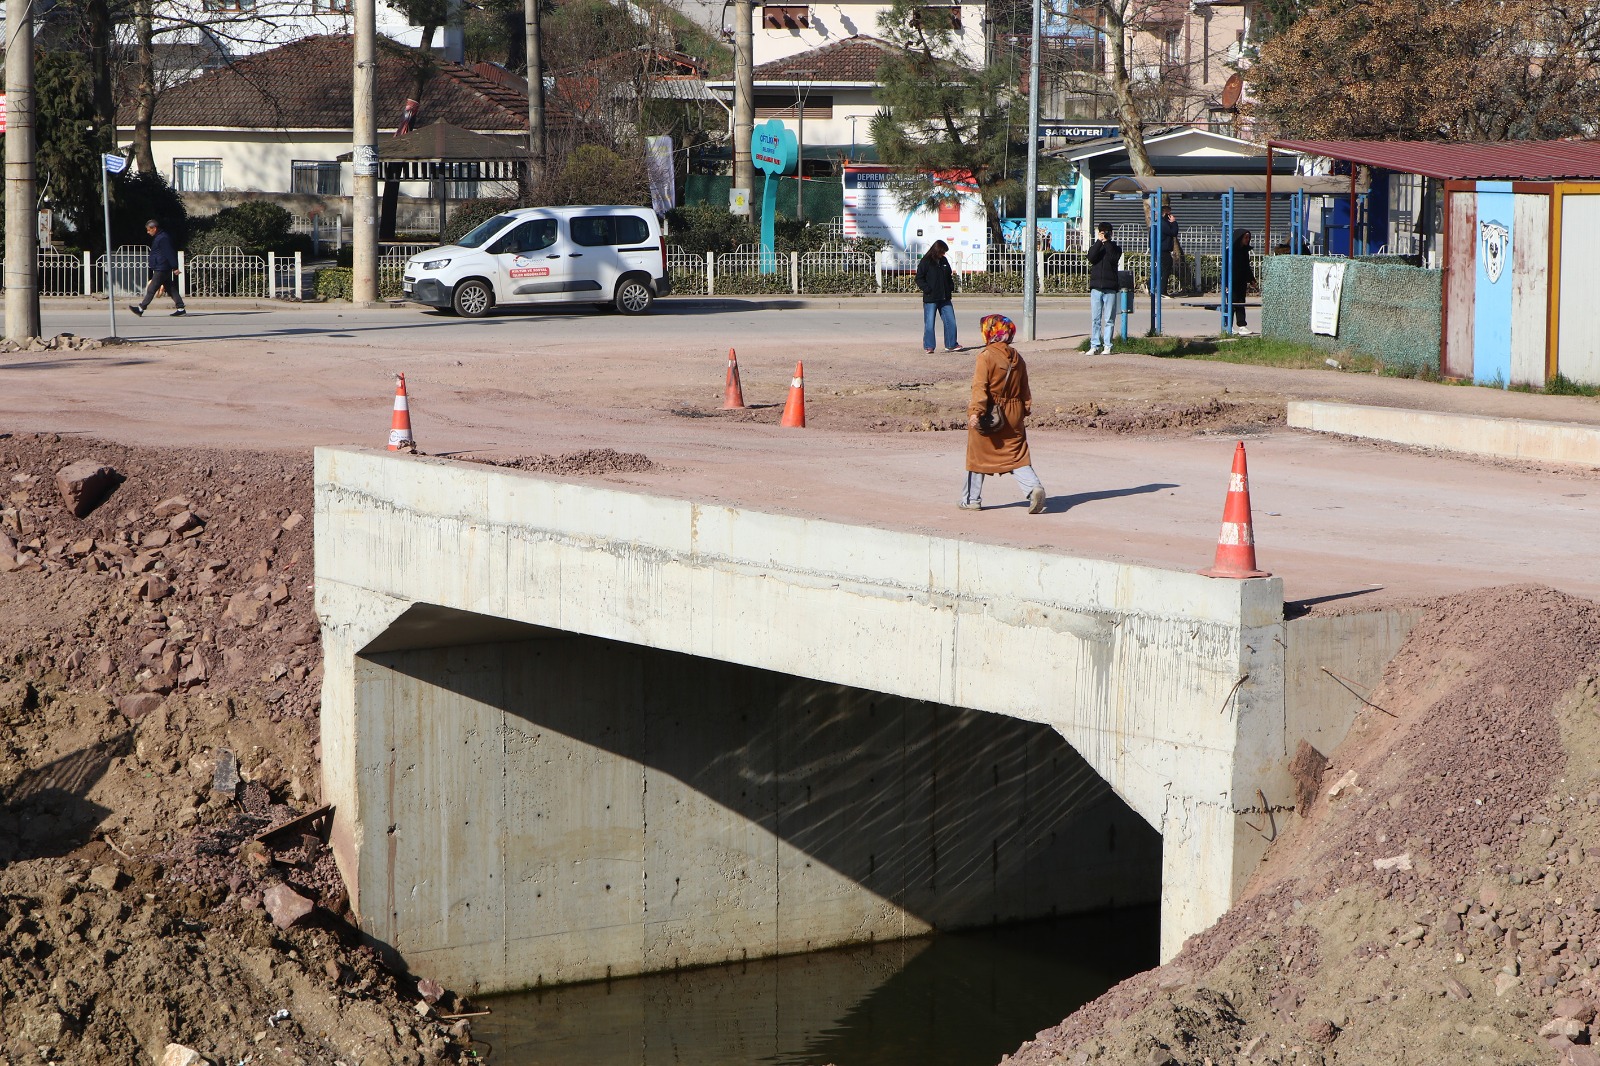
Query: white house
x=783 y=30
x=224 y=29
x=277 y=121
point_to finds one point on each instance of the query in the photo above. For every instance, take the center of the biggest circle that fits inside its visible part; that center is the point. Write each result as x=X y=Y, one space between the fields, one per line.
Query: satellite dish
x=1232 y=91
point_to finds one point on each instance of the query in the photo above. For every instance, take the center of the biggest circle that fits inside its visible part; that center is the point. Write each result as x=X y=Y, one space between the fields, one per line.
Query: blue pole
x=1227 y=262
x=1156 y=279
x=1297 y=211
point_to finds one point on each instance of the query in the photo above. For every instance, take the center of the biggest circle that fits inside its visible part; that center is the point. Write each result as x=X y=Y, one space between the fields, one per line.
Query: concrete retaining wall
x=1171 y=686
x=1507 y=438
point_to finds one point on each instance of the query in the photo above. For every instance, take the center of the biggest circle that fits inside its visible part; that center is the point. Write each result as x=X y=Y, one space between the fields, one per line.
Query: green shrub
x=263 y=225
x=332 y=283
x=702 y=228
x=214 y=237
x=753 y=284
x=464 y=219
x=838 y=281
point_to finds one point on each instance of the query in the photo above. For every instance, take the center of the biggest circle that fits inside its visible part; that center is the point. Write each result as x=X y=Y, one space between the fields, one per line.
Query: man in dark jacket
x=1167 y=241
x=1105 y=258
x=163 y=271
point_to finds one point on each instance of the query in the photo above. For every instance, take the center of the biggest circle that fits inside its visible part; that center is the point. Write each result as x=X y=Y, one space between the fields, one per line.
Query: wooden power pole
x=744 y=102
x=530 y=18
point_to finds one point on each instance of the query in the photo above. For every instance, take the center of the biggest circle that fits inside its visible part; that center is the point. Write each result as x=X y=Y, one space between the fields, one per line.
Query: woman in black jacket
x=938 y=285
x=1244 y=276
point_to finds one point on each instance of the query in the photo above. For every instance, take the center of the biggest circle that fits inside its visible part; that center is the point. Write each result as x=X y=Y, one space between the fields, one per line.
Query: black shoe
x=179 y=313
x=136 y=309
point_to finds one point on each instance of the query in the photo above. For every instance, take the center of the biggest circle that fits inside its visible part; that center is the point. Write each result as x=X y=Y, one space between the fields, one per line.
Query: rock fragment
x=285 y=905
x=178 y=1055
x=136 y=705
x=85 y=484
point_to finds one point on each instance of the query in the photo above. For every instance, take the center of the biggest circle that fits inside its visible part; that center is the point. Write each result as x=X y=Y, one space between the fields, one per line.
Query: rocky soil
x=1439 y=901
x=159 y=679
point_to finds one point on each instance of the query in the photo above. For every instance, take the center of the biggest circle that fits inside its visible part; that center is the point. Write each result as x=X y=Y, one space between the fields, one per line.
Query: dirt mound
x=1440 y=901
x=590 y=461
x=159 y=686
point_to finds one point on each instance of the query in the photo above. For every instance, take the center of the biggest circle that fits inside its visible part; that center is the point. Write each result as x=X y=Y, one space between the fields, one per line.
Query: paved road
x=881 y=320
x=1335 y=518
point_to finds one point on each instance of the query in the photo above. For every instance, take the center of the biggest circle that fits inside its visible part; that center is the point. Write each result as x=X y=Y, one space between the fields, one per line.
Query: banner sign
x=1327 y=283
x=663 y=178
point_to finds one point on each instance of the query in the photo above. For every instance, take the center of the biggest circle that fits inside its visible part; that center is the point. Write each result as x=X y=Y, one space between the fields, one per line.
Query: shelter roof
x=1504 y=160
x=1212 y=184
x=1115 y=145
x=447 y=144
x=852 y=60
x=307 y=84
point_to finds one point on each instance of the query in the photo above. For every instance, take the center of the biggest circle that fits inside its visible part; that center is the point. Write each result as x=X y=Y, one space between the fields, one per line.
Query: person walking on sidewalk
x=163 y=271
x=937 y=283
x=1105 y=262
x=999 y=386
x=1244 y=276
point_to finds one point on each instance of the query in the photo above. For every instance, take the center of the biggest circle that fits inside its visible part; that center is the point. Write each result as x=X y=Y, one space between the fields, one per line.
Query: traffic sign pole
x=110 y=164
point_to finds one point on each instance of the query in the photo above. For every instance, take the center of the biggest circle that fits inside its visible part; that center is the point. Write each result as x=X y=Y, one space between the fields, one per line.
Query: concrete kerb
x=1176 y=689
x=1507 y=438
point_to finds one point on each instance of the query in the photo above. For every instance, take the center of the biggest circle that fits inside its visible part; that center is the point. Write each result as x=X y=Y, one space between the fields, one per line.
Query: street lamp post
x=1030 y=240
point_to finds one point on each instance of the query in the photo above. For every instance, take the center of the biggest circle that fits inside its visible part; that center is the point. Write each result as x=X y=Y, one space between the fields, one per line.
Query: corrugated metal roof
x=1255 y=184
x=1491 y=160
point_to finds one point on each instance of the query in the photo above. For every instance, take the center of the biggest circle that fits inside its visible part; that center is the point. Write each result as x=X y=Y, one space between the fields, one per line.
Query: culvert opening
x=563 y=808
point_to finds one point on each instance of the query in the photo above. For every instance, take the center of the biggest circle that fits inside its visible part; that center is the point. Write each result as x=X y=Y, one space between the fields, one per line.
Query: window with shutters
x=788 y=105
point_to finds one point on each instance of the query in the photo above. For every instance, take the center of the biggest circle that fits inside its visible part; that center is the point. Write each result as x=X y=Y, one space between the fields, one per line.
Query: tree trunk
x=144 y=107
x=1128 y=115
x=97 y=28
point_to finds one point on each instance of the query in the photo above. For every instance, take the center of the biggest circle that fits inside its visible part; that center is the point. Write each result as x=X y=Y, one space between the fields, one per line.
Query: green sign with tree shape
x=774 y=150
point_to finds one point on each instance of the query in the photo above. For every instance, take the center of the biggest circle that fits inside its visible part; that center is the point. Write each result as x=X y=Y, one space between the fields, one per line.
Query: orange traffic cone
x=400 y=438
x=794 y=411
x=734 y=400
x=1236 y=544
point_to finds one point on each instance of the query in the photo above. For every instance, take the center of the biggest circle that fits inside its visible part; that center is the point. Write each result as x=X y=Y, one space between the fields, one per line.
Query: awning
x=1248 y=184
x=1503 y=160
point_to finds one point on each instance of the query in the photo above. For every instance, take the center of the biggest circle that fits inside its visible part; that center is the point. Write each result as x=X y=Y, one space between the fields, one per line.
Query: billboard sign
x=872 y=209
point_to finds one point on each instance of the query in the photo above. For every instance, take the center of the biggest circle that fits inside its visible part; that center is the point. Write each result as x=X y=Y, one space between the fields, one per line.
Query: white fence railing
x=223 y=272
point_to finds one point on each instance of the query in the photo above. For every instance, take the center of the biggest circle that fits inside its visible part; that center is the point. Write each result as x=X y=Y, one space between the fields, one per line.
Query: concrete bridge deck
x=577 y=731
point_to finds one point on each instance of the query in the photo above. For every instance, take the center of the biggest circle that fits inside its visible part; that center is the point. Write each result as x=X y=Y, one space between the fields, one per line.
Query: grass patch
x=1251 y=351
x=1561 y=385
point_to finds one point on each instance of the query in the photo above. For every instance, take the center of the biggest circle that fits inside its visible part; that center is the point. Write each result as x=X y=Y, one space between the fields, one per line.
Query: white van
x=610 y=256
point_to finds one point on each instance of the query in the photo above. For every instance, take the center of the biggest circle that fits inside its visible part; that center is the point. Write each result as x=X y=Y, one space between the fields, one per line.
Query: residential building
x=277 y=121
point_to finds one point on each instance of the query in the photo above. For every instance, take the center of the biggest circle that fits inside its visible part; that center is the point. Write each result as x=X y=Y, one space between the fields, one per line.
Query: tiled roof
x=854 y=59
x=308 y=85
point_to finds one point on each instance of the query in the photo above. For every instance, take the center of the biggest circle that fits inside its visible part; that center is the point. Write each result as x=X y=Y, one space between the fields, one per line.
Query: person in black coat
x=1244 y=276
x=1105 y=259
x=1167 y=242
x=937 y=283
x=163 y=271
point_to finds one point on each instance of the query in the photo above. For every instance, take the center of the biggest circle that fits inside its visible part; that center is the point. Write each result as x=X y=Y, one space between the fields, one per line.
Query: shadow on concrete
x=963 y=818
x=67 y=364
x=48 y=807
x=1062 y=504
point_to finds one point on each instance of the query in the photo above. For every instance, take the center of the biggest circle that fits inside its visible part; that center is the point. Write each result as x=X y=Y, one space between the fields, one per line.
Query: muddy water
x=959 y=999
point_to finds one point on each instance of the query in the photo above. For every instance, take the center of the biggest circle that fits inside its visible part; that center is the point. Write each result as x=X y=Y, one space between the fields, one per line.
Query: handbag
x=994 y=419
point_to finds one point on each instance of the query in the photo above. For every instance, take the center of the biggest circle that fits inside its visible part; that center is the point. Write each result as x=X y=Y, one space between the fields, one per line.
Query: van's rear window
x=595 y=230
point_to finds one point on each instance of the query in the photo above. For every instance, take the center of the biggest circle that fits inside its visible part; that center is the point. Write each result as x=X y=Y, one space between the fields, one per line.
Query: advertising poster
x=1327 y=282
x=871 y=209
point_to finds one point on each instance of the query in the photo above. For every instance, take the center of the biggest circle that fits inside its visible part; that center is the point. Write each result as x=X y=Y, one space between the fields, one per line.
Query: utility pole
x=530 y=19
x=1030 y=240
x=22 y=192
x=744 y=101
x=364 y=154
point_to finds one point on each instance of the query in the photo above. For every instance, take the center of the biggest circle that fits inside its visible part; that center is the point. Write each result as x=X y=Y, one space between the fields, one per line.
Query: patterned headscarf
x=997 y=328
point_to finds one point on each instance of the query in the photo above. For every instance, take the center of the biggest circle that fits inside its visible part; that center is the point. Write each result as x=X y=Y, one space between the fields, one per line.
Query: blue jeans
x=947 y=311
x=1102 y=312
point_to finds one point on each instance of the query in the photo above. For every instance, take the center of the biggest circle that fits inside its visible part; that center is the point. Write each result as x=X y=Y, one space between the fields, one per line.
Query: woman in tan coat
x=1000 y=377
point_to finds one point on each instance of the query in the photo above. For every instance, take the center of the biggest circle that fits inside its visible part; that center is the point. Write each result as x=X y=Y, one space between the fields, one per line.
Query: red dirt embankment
x=1441 y=900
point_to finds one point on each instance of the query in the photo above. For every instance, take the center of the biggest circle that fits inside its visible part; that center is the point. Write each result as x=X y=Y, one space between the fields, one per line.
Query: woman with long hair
x=937 y=283
x=1244 y=276
x=997 y=435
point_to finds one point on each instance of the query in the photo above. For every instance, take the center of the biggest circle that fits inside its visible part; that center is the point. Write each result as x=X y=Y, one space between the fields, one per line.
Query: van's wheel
x=472 y=299
x=633 y=297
